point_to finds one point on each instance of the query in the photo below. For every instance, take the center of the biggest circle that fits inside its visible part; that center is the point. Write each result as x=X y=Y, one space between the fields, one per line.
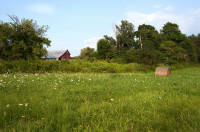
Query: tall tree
x=125 y=35
x=147 y=32
x=171 y=32
x=103 y=48
x=23 y=39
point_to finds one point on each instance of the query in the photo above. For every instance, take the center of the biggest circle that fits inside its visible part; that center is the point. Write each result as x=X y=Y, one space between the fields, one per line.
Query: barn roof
x=55 y=53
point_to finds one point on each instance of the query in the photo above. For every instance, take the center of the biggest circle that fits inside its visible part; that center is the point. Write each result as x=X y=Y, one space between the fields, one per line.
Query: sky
x=76 y=24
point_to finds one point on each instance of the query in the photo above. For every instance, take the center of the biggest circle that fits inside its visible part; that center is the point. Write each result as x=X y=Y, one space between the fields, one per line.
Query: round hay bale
x=162 y=71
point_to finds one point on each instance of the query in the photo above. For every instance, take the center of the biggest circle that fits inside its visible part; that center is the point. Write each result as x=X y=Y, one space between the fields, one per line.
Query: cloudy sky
x=75 y=24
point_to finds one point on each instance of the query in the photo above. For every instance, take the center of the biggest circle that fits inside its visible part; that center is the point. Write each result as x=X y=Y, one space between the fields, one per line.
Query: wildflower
x=22 y=116
x=26 y=104
x=72 y=80
x=160 y=97
x=89 y=79
x=111 y=99
x=20 y=104
x=7 y=105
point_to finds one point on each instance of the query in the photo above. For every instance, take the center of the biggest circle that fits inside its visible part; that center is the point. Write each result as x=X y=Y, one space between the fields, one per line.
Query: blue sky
x=76 y=24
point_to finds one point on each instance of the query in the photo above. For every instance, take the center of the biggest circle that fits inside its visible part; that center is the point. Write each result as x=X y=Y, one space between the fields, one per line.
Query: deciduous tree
x=22 y=39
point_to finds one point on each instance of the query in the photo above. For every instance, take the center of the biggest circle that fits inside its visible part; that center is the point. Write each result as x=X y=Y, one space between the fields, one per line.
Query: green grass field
x=100 y=102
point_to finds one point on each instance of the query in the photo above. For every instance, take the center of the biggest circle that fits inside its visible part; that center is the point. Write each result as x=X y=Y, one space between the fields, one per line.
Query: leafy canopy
x=22 y=39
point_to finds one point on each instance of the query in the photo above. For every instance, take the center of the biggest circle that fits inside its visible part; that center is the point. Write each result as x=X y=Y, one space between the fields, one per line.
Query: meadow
x=100 y=102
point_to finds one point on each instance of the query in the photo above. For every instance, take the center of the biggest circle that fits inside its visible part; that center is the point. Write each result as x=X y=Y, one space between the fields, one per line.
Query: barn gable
x=65 y=56
x=58 y=55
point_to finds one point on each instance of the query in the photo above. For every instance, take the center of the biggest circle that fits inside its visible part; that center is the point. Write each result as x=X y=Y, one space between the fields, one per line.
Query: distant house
x=58 y=55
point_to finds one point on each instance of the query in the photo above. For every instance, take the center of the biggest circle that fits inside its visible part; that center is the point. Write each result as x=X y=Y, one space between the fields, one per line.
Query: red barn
x=65 y=56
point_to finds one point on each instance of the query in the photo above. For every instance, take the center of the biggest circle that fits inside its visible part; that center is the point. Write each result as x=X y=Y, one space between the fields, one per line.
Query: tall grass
x=100 y=102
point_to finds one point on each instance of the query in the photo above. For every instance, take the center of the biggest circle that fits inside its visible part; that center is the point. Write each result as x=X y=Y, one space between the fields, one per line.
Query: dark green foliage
x=144 y=56
x=125 y=35
x=147 y=33
x=171 y=31
x=195 y=39
x=103 y=48
x=88 y=53
x=148 y=46
x=172 y=53
x=190 y=52
x=111 y=41
x=22 y=39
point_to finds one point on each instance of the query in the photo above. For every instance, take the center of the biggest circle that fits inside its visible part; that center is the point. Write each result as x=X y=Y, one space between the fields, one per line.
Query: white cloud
x=41 y=8
x=188 y=22
x=91 y=42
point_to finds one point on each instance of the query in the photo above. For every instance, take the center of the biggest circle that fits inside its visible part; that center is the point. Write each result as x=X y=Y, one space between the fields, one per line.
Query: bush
x=77 y=65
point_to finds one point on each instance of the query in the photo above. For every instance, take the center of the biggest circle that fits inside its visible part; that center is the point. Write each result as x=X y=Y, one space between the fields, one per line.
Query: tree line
x=146 y=45
x=25 y=39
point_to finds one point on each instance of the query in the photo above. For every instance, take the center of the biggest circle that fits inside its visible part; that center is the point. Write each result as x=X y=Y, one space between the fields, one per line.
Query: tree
x=171 y=32
x=23 y=39
x=195 y=39
x=111 y=40
x=172 y=53
x=190 y=52
x=103 y=48
x=87 y=53
x=147 y=45
x=147 y=32
x=125 y=35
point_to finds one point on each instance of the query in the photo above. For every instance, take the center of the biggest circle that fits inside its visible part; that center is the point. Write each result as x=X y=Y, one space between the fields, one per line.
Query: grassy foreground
x=100 y=102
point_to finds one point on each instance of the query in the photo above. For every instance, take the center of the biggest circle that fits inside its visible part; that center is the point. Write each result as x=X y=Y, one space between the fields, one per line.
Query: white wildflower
x=22 y=116
x=7 y=105
x=111 y=99
x=72 y=80
x=26 y=104
x=89 y=79
x=20 y=104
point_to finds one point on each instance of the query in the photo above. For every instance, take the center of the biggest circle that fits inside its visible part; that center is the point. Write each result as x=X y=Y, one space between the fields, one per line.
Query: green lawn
x=100 y=102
